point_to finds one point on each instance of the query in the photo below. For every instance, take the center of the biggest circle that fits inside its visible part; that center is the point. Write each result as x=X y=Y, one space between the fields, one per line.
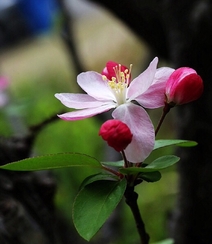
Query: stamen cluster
x=118 y=79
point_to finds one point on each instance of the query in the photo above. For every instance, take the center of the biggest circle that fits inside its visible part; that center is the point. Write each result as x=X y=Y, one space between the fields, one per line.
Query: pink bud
x=183 y=86
x=116 y=133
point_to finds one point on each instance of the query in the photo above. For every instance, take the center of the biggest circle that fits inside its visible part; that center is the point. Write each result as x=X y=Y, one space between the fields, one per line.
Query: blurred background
x=44 y=44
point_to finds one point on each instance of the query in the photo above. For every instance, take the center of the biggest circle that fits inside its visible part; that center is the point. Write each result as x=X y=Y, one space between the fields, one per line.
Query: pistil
x=119 y=83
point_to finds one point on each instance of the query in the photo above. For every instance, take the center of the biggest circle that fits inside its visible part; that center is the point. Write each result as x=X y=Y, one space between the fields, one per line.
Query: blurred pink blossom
x=3 y=86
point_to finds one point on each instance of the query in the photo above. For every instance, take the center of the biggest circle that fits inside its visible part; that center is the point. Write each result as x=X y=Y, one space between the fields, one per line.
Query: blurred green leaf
x=150 y=176
x=53 y=161
x=94 y=204
x=158 y=164
x=166 y=241
x=181 y=143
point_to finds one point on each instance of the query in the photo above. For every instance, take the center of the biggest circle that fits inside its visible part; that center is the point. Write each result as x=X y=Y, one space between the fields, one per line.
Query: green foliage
x=158 y=164
x=150 y=176
x=99 y=194
x=54 y=161
x=114 y=164
x=96 y=177
x=163 y=162
x=166 y=241
x=166 y=143
x=94 y=204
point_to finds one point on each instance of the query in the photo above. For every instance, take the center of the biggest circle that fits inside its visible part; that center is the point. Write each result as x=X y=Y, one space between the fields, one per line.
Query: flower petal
x=154 y=97
x=142 y=129
x=93 y=83
x=162 y=74
x=78 y=101
x=155 y=94
x=140 y=84
x=86 y=113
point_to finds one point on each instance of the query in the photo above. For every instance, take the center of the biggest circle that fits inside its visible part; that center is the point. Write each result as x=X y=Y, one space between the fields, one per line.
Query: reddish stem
x=126 y=163
x=113 y=172
x=166 y=109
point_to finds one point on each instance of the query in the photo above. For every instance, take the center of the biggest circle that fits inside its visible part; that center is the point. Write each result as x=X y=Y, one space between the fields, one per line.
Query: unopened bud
x=116 y=133
x=183 y=86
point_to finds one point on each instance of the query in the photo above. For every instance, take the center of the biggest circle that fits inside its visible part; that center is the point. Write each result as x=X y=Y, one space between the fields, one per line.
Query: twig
x=68 y=37
x=166 y=109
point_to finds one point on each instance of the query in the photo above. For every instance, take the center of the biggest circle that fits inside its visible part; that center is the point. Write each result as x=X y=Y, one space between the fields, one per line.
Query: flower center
x=119 y=83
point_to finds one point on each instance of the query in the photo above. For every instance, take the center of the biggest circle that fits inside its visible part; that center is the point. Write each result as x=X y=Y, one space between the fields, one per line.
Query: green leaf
x=158 y=164
x=150 y=176
x=96 y=177
x=114 y=164
x=94 y=204
x=163 y=162
x=53 y=161
x=181 y=143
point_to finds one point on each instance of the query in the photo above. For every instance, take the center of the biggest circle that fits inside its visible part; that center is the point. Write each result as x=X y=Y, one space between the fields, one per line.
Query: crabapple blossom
x=3 y=95
x=116 y=133
x=183 y=86
x=114 y=89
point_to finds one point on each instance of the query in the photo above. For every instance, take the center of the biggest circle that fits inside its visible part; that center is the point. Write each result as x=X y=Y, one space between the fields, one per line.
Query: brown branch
x=131 y=199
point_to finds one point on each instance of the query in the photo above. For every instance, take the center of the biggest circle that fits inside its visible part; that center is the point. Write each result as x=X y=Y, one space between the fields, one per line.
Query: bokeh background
x=38 y=64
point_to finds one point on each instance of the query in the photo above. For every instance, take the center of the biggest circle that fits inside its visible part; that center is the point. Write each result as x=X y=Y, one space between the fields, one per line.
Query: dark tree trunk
x=181 y=32
x=191 y=35
x=26 y=198
x=27 y=211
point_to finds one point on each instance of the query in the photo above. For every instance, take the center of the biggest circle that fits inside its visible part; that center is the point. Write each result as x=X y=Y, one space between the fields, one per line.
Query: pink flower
x=183 y=86
x=3 y=95
x=116 y=133
x=115 y=90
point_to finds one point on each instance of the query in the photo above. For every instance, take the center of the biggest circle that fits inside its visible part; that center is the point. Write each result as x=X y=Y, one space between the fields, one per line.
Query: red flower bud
x=116 y=133
x=183 y=86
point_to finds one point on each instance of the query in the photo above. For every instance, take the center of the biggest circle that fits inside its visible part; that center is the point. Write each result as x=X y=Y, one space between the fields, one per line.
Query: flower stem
x=131 y=199
x=126 y=163
x=166 y=109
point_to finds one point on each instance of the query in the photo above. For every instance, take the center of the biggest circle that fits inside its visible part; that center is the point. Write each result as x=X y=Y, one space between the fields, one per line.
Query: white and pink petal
x=141 y=83
x=78 y=101
x=142 y=129
x=86 y=113
x=154 y=97
x=162 y=74
x=95 y=86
